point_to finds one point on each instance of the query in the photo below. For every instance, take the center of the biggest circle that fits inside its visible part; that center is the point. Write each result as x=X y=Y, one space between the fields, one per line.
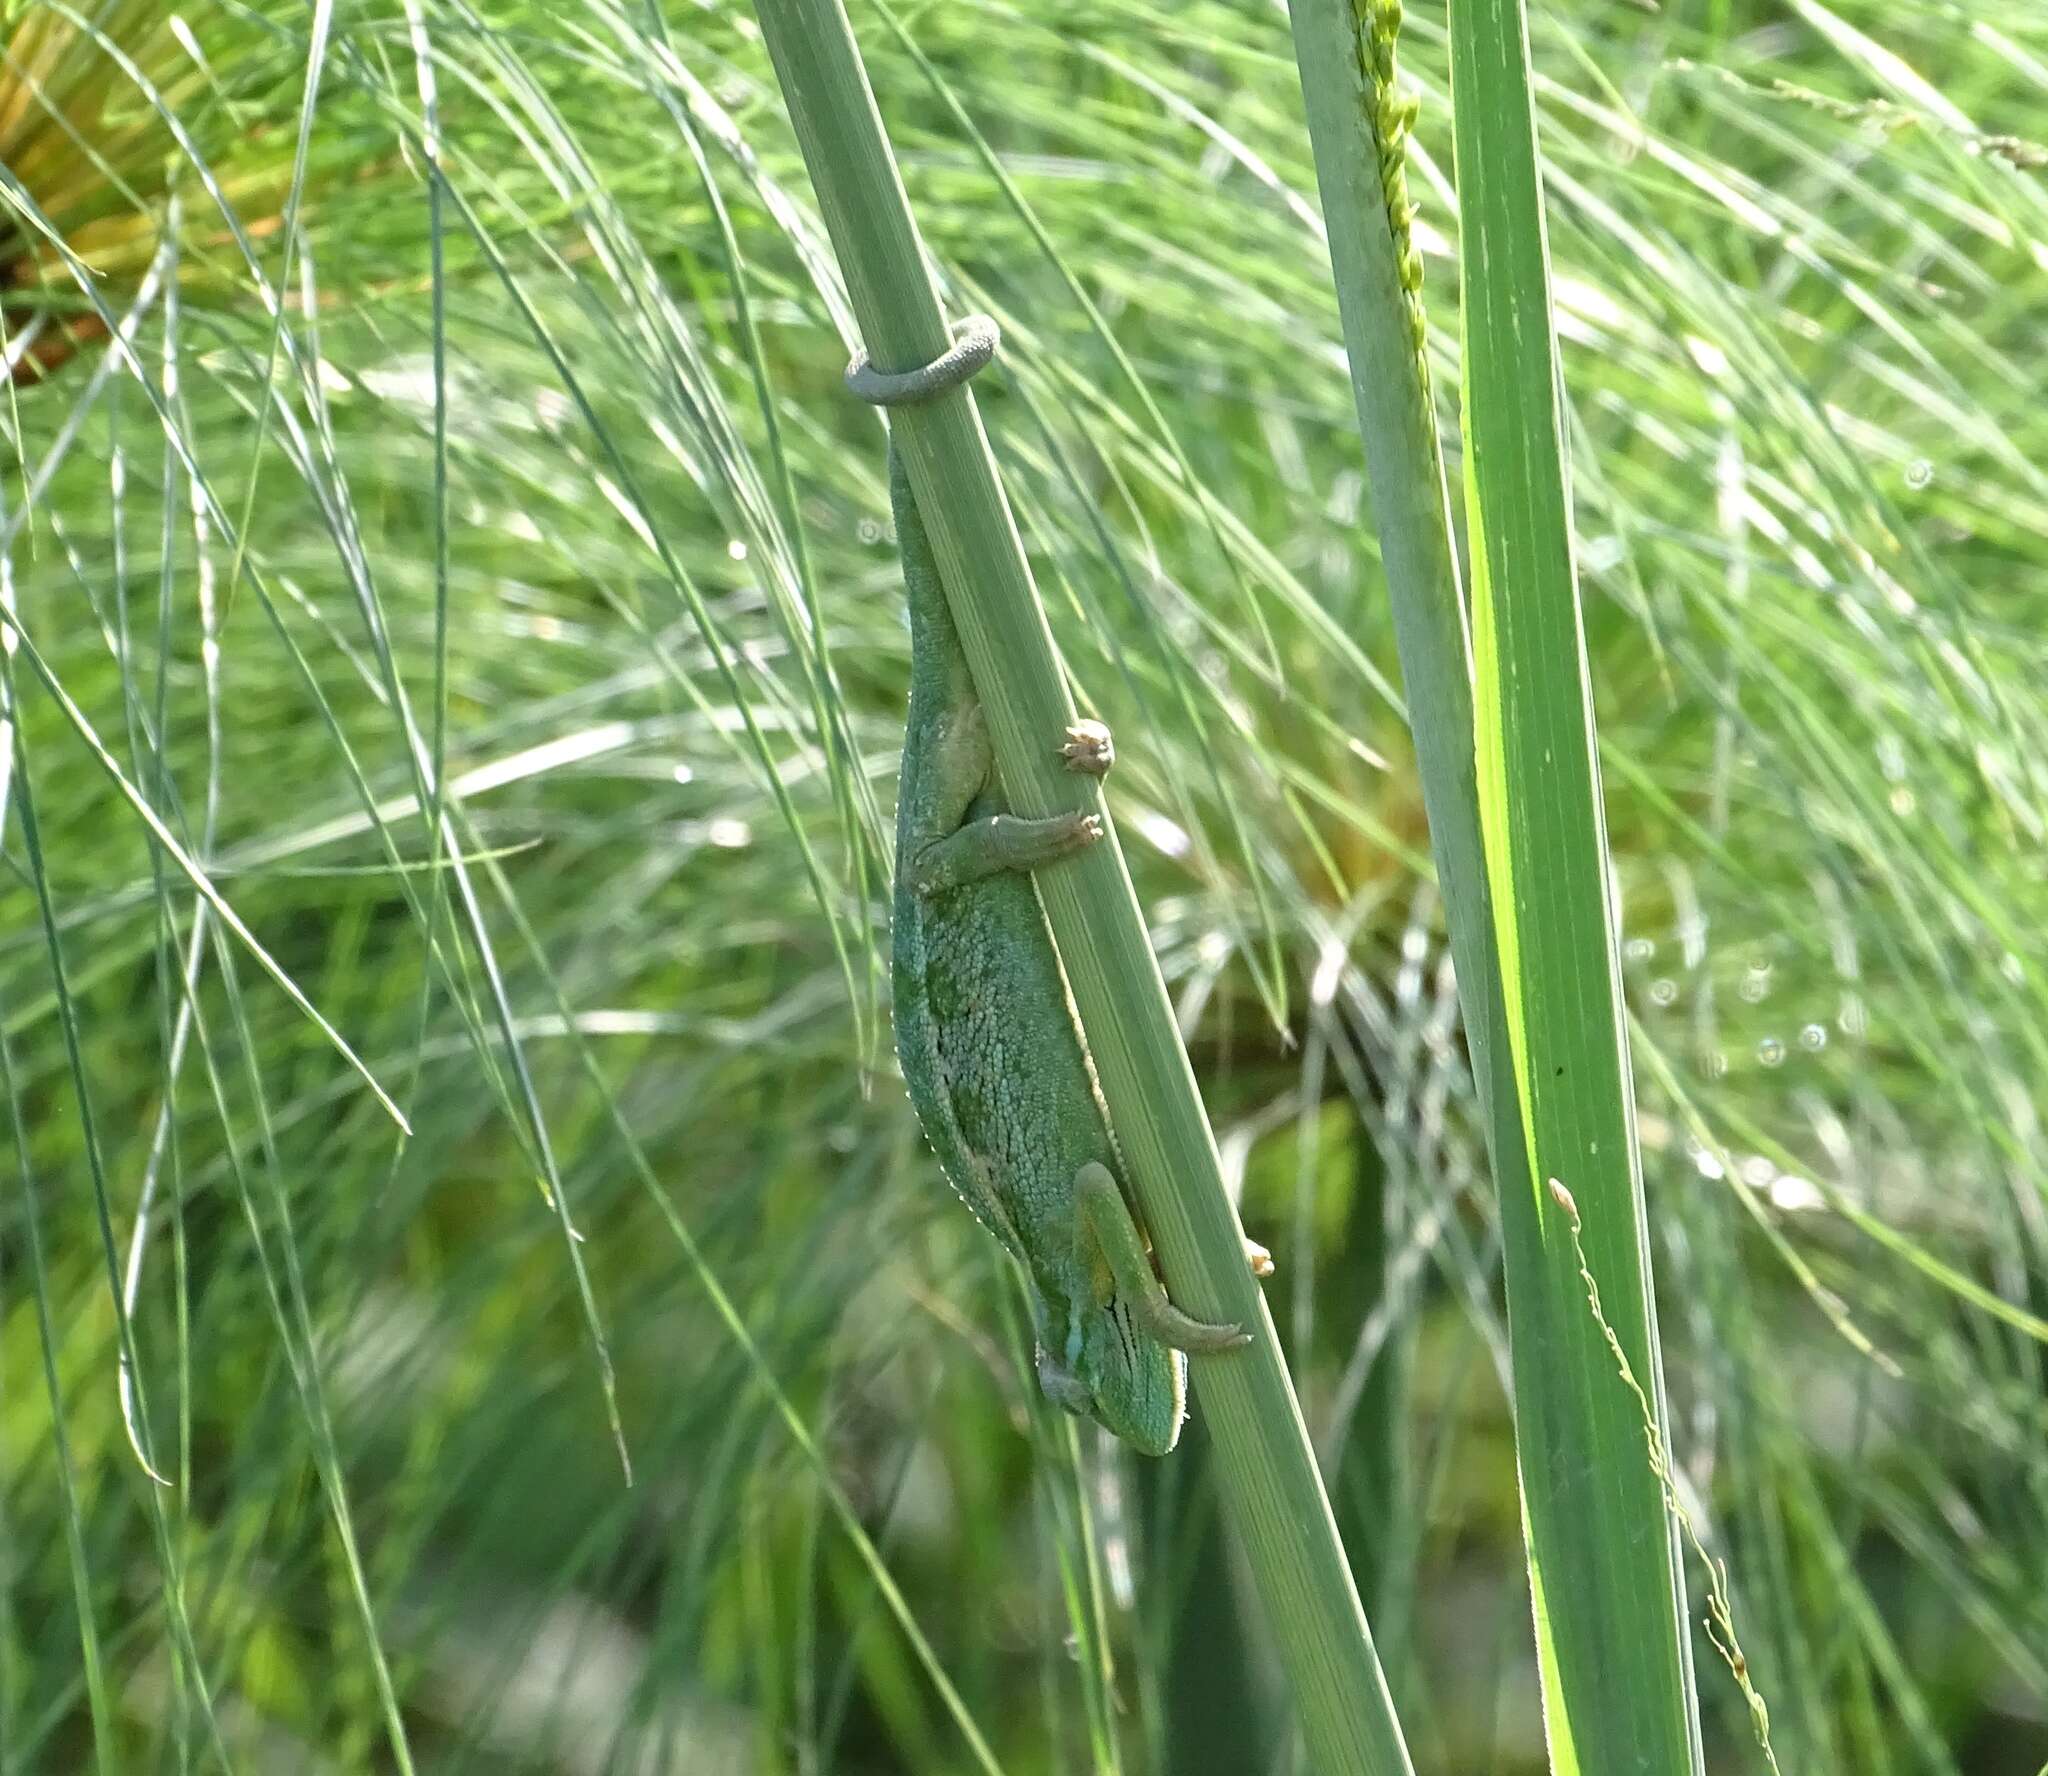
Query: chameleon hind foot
x=1088 y=748
x=1106 y=1231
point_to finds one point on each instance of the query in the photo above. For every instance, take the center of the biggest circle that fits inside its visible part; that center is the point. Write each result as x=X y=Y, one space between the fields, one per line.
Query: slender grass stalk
x=1263 y=1456
x=1504 y=739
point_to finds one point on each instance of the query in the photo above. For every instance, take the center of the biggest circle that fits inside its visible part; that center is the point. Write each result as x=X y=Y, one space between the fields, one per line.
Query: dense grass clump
x=455 y=639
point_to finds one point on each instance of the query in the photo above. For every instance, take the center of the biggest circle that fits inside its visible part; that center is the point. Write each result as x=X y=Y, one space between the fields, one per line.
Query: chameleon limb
x=1105 y=1225
x=1000 y=842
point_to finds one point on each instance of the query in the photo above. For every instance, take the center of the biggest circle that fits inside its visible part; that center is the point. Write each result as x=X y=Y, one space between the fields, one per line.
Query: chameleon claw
x=1107 y=1230
x=1184 y=1332
x=1179 y=1331
x=1088 y=748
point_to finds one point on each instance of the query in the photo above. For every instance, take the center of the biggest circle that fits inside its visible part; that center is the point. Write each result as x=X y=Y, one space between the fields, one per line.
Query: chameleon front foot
x=1034 y=842
x=1107 y=1231
x=1000 y=842
x=1088 y=748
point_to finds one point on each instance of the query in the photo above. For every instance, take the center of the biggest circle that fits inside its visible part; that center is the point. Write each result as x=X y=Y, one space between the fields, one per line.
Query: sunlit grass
x=1799 y=330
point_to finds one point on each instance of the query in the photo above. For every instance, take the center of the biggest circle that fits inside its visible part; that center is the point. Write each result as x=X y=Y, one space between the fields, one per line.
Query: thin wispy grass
x=565 y=566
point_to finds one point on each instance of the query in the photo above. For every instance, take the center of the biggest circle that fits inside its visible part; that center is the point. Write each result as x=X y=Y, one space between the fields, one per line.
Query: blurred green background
x=332 y=478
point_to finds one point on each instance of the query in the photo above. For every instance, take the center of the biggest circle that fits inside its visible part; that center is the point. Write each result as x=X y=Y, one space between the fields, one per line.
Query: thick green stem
x=1264 y=1461
x=1503 y=730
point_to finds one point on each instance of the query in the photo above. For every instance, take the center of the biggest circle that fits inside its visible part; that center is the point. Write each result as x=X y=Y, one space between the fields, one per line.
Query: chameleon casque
x=992 y=1050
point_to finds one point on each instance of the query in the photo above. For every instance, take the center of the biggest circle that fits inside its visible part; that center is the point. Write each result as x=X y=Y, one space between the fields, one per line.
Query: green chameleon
x=992 y=1051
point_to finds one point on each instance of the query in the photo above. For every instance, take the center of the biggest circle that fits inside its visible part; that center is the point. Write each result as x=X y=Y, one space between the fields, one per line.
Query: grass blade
x=1603 y=1554
x=1504 y=738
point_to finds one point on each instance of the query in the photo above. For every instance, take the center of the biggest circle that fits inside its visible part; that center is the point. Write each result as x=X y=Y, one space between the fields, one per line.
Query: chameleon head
x=1119 y=1376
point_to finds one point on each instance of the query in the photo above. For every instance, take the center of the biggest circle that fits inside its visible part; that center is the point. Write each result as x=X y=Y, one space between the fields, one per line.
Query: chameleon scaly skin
x=992 y=1050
